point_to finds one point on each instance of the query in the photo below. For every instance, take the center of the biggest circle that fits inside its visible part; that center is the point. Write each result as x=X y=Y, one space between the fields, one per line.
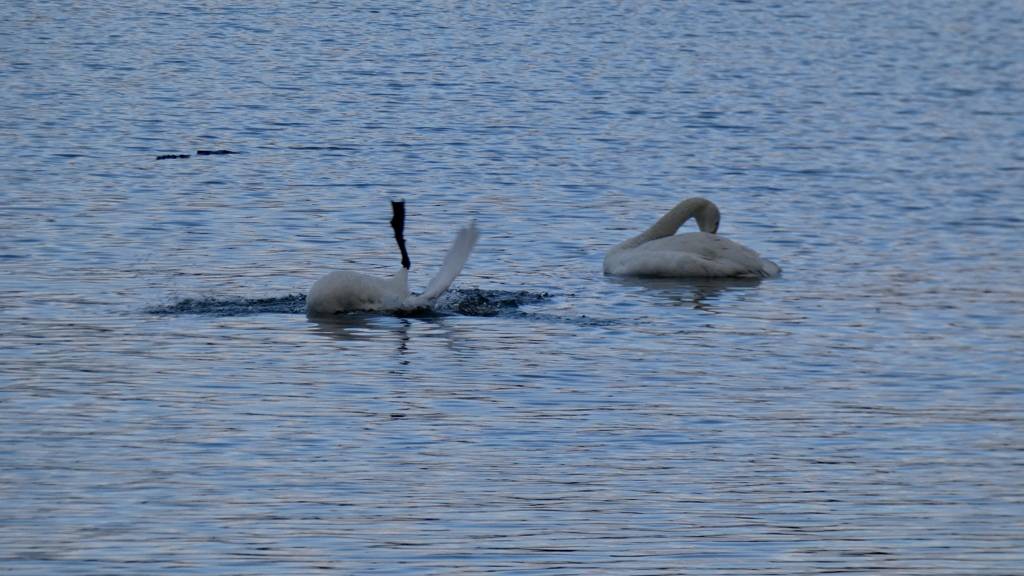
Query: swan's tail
x=456 y=258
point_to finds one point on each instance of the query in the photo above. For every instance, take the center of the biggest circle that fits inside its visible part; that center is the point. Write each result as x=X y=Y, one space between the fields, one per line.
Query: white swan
x=345 y=291
x=658 y=252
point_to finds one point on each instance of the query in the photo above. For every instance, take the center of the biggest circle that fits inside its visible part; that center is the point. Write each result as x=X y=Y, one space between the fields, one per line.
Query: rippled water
x=166 y=406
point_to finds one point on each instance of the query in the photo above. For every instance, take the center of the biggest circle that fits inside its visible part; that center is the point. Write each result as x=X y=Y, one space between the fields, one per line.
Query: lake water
x=166 y=407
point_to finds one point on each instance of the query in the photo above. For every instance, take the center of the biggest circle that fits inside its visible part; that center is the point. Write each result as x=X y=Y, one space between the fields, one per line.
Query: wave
x=233 y=306
x=461 y=301
x=476 y=302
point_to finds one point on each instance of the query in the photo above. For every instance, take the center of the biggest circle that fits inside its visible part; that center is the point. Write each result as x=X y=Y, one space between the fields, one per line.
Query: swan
x=344 y=291
x=658 y=252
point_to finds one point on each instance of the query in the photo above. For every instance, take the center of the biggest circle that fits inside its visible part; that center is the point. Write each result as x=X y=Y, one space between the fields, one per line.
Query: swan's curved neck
x=704 y=211
x=398 y=224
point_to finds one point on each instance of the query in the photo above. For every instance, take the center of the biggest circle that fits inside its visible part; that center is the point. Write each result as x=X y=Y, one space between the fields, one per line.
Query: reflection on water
x=354 y=327
x=358 y=326
x=698 y=293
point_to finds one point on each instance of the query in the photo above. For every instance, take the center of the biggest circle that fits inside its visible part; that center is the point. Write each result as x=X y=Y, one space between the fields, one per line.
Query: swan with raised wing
x=659 y=251
x=345 y=291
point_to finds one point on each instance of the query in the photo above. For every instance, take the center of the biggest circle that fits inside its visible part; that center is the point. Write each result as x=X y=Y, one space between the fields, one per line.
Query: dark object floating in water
x=198 y=153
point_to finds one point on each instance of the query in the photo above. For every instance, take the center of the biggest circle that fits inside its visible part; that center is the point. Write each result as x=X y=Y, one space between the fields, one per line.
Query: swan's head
x=708 y=217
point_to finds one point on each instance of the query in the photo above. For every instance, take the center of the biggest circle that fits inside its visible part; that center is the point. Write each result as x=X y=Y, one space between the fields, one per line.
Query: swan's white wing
x=456 y=258
x=669 y=264
x=694 y=255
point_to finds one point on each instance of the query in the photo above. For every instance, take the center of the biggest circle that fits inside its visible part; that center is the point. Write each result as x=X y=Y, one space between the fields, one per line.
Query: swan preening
x=346 y=291
x=658 y=251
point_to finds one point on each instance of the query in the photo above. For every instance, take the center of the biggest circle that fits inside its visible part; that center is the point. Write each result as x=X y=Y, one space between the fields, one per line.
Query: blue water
x=166 y=407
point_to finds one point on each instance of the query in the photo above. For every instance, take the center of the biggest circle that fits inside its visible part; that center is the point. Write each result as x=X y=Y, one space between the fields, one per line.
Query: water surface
x=167 y=407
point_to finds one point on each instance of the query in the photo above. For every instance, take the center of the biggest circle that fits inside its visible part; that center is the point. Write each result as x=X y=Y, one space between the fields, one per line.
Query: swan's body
x=345 y=291
x=705 y=254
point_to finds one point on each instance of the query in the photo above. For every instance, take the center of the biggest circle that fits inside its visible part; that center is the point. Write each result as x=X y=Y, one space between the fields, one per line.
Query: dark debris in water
x=198 y=153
